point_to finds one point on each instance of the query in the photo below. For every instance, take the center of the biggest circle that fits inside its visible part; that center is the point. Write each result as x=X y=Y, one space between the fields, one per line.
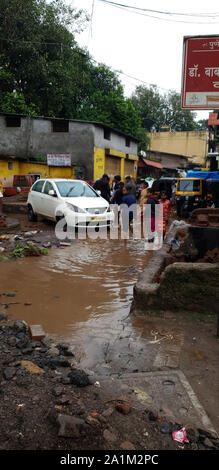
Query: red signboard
x=200 y=74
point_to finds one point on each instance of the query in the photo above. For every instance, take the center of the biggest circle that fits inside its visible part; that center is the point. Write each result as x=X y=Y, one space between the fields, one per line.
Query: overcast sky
x=146 y=48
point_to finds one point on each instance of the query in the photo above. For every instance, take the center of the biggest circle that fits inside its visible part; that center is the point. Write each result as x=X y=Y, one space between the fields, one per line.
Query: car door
x=49 y=203
x=34 y=197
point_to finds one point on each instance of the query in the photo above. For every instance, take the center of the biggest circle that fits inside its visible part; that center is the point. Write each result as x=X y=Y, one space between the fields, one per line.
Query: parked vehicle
x=190 y=195
x=212 y=190
x=21 y=183
x=163 y=184
x=74 y=200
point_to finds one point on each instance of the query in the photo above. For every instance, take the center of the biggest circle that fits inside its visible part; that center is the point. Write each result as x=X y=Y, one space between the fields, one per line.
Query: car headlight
x=75 y=208
x=197 y=198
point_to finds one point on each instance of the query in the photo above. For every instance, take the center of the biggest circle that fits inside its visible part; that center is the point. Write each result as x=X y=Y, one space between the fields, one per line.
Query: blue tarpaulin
x=203 y=174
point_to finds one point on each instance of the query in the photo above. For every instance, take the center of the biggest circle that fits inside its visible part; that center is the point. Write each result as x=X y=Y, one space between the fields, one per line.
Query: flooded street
x=81 y=293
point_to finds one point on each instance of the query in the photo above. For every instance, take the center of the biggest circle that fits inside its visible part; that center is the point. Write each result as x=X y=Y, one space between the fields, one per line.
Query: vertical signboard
x=200 y=74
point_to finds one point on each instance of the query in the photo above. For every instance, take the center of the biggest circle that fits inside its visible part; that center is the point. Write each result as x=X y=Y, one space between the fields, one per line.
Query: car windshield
x=75 y=189
x=189 y=185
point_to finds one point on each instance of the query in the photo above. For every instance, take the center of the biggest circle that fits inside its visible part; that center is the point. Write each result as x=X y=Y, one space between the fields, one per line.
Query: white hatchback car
x=74 y=200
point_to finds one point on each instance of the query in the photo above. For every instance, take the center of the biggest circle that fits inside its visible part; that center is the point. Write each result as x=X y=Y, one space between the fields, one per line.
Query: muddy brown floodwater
x=81 y=293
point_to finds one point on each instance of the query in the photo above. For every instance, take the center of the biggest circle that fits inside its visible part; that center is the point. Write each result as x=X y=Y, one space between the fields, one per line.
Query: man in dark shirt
x=103 y=186
x=118 y=195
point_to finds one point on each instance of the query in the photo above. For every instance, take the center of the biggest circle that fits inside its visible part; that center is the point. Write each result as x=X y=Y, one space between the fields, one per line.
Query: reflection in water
x=81 y=293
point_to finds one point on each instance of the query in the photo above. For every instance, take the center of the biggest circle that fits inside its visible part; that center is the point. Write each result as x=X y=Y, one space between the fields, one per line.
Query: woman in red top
x=167 y=208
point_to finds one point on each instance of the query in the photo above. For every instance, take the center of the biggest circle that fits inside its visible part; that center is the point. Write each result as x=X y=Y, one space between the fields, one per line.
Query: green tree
x=158 y=110
x=151 y=106
x=105 y=102
x=176 y=118
x=39 y=51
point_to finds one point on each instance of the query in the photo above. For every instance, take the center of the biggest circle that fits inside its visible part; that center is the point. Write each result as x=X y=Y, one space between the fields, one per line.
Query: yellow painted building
x=193 y=145
x=9 y=168
x=114 y=162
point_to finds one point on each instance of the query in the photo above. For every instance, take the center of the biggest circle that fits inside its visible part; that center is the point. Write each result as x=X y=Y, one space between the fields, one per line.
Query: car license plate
x=98 y=217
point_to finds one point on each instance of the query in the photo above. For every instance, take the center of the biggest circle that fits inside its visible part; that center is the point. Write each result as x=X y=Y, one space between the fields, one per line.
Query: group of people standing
x=124 y=193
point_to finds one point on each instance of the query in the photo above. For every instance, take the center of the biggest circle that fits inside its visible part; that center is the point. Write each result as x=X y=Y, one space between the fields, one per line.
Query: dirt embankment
x=48 y=403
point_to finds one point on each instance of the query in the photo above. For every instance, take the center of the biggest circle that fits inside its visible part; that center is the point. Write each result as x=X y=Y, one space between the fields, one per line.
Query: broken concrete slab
x=168 y=393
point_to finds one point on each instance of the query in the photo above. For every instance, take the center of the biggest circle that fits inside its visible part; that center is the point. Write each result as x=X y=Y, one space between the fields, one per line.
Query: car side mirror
x=98 y=192
x=52 y=193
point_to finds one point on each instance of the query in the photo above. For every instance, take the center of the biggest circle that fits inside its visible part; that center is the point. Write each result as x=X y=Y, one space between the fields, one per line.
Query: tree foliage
x=44 y=71
x=159 y=110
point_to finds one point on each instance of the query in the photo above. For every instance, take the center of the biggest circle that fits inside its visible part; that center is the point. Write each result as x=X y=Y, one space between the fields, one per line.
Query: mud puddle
x=81 y=294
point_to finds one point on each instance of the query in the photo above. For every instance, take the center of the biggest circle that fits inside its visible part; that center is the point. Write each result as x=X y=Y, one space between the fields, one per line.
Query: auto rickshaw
x=163 y=184
x=190 y=195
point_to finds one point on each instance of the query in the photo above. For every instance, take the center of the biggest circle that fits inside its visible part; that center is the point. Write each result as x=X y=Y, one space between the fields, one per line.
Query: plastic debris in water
x=180 y=436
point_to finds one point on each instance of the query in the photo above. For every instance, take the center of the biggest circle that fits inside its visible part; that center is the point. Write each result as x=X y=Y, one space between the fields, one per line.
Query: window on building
x=127 y=142
x=10 y=166
x=13 y=121
x=60 y=126
x=107 y=134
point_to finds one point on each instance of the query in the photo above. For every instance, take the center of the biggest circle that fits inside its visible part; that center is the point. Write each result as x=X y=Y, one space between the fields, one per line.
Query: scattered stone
x=192 y=433
x=126 y=445
x=79 y=378
x=208 y=443
x=166 y=428
x=59 y=361
x=20 y=326
x=47 y=245
x=30 y=234
x=108 y=412
x=65 y=380
x=3 y=317
x=123 y=408
x=58 y=391
x=12 y=341
x=9 y=373
x=69 y=426
x=32 y=368
x=92 y=421
x=64 y=350
x=64 y=400
x=52 y=351
x=22 y=343
x=27 y=350
x=109 y=437
x=153 y=416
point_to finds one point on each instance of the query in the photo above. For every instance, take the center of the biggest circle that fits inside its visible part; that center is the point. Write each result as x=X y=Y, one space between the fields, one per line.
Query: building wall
x=13 y=140
x=86 y=142
x=117 y=141
x=35 y=138
x=114 y=155
x=169 y=160
x=190 y=144
x=10 y=168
